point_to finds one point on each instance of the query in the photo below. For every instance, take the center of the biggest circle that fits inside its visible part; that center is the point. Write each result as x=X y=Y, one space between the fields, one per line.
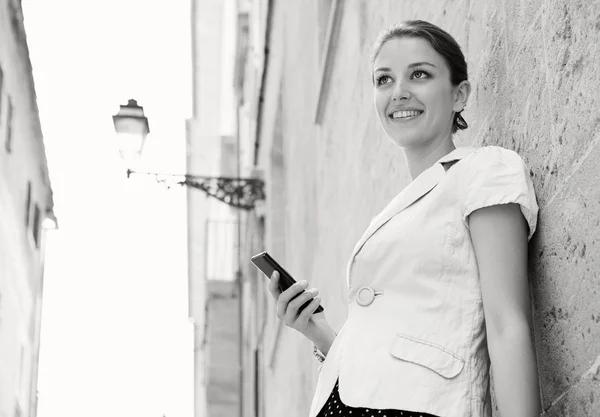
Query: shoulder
x=493 y=165
x=493 y=175
x=487 y=157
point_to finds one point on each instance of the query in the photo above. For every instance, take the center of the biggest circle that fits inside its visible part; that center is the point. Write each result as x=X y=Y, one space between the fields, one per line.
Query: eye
x=419 y=74
x=383 y=79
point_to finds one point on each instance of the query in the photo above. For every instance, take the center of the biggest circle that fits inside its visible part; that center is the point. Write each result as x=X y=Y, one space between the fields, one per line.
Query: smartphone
x=267 y=265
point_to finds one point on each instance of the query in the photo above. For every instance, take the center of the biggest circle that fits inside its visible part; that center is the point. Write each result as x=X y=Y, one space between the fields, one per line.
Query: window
x=33 y=218
x=257 y=387
x=21 y=366
x=9 y=120
x=16 y=20
x=33 y=321
x=36 y=226
x=20 y=380
x=329 y=22
x=1 y=85
x=28 y=205
x=324 y=13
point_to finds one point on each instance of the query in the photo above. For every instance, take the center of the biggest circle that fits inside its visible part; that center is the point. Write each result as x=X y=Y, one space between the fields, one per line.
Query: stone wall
x=536 y=84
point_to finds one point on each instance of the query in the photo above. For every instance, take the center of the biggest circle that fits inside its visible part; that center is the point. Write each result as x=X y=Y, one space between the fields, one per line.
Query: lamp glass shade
x=50 y=222
x=132 y=128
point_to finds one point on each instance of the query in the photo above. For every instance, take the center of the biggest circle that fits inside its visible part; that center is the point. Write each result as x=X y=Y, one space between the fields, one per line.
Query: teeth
x=405 y=113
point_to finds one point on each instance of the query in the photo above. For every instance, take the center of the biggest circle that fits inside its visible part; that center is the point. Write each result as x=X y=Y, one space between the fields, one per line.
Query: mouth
x=405 y=114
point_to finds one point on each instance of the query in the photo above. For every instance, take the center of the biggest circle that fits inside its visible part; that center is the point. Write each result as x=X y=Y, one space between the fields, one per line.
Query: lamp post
x=131 y=126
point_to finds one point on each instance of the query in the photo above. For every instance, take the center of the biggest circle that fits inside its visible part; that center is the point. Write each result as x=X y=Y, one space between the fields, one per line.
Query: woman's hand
x=313 y=326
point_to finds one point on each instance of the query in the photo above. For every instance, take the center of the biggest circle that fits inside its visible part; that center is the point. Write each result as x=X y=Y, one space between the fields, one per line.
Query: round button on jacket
x=365 y=295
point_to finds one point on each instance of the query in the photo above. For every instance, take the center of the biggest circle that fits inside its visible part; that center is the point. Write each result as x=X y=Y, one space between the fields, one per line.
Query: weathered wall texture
x=534 y=67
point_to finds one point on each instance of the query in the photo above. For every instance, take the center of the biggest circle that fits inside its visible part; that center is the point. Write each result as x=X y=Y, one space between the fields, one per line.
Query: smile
x=405 y=114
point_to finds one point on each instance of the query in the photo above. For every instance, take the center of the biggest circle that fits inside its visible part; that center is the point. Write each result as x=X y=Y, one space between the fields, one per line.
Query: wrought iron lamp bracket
x=241 y=193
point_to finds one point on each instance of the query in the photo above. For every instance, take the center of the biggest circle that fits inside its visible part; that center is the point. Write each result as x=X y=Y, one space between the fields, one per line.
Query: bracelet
x=318 y=354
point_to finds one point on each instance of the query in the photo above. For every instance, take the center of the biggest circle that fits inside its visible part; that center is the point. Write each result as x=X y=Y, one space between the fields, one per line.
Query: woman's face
x=414 y=98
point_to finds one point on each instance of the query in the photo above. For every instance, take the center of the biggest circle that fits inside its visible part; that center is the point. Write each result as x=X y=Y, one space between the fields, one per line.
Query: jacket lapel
x=421 y=185
x=411 y=193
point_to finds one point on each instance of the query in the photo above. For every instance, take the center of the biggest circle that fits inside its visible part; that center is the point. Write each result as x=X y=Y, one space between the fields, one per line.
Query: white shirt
x=420 y=345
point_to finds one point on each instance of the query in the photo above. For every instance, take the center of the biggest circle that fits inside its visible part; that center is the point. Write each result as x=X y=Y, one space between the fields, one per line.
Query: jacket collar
x=456 y=155
x=425 y=182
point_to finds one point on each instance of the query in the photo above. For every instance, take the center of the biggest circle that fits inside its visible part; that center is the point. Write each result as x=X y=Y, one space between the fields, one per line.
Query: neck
x=418 y=159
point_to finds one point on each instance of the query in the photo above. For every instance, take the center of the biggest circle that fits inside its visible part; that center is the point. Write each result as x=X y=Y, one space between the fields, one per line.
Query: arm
x=325 y=336
x=499 y=236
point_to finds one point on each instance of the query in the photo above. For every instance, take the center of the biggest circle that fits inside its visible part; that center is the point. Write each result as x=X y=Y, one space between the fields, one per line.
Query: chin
x=404 y=141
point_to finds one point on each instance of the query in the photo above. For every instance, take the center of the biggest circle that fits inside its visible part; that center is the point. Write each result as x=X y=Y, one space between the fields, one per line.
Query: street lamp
x=132 y=128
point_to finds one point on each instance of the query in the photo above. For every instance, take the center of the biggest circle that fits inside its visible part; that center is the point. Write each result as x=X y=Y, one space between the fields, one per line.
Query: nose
x=400 y=92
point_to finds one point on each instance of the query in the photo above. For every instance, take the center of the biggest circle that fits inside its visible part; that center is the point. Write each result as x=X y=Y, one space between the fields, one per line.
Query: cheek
x=439 y=102
x=381 y=101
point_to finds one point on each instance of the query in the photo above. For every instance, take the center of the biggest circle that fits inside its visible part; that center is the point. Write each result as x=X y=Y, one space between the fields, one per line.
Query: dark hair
x=441 y=41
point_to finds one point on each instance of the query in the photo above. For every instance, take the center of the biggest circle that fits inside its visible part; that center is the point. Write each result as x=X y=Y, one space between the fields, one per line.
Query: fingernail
x=303 y=283
x=313 y=291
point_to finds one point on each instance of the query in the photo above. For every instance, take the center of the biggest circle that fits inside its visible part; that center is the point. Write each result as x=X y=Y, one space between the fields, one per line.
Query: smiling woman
x=441 y=42
x=439 y=278
x=420 y=87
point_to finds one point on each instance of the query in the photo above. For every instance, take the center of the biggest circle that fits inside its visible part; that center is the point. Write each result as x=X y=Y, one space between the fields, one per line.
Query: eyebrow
x=415 y=64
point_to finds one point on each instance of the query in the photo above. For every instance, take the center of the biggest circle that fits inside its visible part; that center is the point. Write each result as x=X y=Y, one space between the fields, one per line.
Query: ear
x=461 y=95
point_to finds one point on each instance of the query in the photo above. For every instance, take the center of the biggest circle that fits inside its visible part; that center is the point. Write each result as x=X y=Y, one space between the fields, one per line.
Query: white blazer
x=415 y=335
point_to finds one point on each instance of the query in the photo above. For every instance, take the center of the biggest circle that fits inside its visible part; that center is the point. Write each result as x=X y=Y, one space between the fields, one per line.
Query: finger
x=293 y=291
x=293 y=308
x=301 y=299
x=308 y=311
x=274 y=285
x=285 y=297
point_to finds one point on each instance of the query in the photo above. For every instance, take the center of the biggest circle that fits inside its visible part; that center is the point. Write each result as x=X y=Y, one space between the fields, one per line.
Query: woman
x=438 y=283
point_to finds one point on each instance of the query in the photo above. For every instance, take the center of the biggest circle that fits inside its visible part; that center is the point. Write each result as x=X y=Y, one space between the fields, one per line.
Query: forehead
x=401 y=52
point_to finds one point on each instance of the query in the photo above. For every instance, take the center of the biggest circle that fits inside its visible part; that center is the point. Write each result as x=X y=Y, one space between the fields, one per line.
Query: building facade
x=213 y=227
x=306 y=119
x=26 y=208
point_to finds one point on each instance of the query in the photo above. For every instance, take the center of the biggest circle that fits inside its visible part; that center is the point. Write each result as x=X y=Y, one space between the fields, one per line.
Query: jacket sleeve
x=495 y=175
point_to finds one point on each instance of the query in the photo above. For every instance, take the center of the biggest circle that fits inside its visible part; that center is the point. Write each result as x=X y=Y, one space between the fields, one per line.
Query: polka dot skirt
x=334 y=407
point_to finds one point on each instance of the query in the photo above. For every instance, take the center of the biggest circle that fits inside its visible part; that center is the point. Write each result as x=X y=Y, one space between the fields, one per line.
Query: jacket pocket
x=427 y=354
